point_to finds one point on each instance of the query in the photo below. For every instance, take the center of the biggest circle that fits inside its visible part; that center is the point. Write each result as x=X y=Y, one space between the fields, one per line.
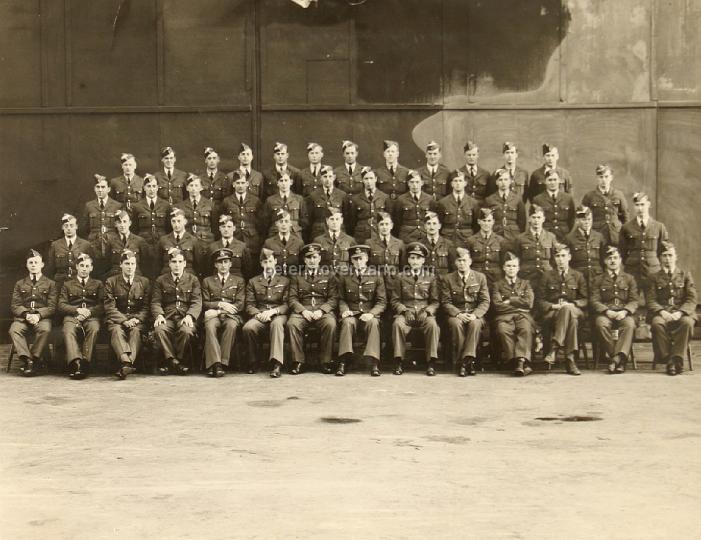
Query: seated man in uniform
x=614 y=301
x=127 y=298
x=60 y=262
x=465 y=300
x=512 y=301
x=362 y=300
x=267 y=307
x=562 y=297
x=223 y=296
x=176 y=305
x=33 y=304
x=81 y=302
x=671 y=302
x=414 y=298
x=313 y=300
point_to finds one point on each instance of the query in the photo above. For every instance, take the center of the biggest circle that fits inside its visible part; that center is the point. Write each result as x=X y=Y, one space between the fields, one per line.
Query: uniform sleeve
x=195 y=300
x=99 y=310
x=543 y=302
x=689 y=300
x=483 y=295
x=447 y=299
x=64 y=307
x=251 y=307
x=293 y=296
x=52 y=300
x=582 y=292
x=17 y=303
x=521 y=219
x=284 y=309
x=50 y=259
x=394 y=291
x=623 y=212
x=433 y=297
x=342 y=304
x=633 y=297
x=332 y=300
x=207 y=302
x=240 y=298
x=525 y=301
x=597 y=305
x=380 y=298
x=157 y=299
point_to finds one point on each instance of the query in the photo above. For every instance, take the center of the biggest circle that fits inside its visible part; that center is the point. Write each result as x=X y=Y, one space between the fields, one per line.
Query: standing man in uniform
x=410 y=209
x=151 y=215
x=334 y=242
x=97 y=220
x=586 y=245
x=121 y=239
x=434 y=174
x=81 y=303
x=486 y=247
x=181 y=239
x=253 y=178
x=562 y=297
x=176 y=305
x=280 y=168
x=536 y=184
x=215 y=185
x=671 y=302
x=614 y=301
x=129 y=187
x=508 y=208
x=313 y=300
x=349 y=174
x=457 y=212
x=476 y=177
x=34 y=300
x=534 y=247
x=64 y=252
x=363 y=207
x=169 y=180
x=557 y=206
x=323 y=198
x=292 y=203
x=441 y=251
x=199 y=215
x=387 y=252
x=244 y=207
x=127 y=298
x=512 y=302
x=414 y=298
x=240 y=258
x=267 y=307
x=517 y=175
x=465 y=300
x=608 y=205
x=309 y=178
x=362 y=300
x=284 y=245
x=391 y=177
x=223 y=297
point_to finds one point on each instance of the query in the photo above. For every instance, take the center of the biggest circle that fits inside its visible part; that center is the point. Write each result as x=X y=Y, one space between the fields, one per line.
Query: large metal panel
x=20 y=54
x=112 y=52
x=678 y=196
x=205 y=48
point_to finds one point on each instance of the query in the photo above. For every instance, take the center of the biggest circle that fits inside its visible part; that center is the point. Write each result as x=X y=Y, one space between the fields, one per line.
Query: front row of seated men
x=355 y=300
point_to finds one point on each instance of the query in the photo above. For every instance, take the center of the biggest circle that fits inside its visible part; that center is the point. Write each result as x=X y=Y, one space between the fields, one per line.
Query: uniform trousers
x=253 y=333
x=18 y=334
x=429 y=328
x=560 y=327
x=626 y=331
x=371 y=328
x=125 y=341
x=214 y=349
x=71 y=330
x=514 y=332
x=174 y=338
x=297 y=325
x=670 y=339
x=464 y=337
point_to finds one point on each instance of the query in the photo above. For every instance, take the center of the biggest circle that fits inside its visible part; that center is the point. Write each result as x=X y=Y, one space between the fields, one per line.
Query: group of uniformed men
x=372 y=251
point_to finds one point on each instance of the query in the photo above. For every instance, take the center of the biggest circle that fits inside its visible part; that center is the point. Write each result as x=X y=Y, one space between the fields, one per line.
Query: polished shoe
x=572 y=368
x=398 y=370
x=431 y=369
x=679 y=365
x=550 y=358
x=375 y=371
x=462 y=370
x=77 y=371
x=612 y=366
x=29 y=369
x=163 y=370
x=296 y=368
x=178 y=368
x=216 y=370
x=326 y=369
x=124 y=371
x=275 y=372
x=671 y=368
x=471 y=369
x=341 y=369
x=527 y=369
x=519 y=370
x=621 y=365
x=251 y=369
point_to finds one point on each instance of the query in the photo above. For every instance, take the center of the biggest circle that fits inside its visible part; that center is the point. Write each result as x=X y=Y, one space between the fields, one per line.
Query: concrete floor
x=317 y=456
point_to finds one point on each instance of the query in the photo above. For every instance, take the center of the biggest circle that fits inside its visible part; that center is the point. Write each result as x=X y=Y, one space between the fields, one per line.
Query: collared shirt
x=642 y=222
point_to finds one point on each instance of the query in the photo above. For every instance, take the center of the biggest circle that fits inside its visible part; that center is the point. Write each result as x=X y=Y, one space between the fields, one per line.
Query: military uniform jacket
x=176 y=301
x=441 y=255
x=318 y=202
x=199 y=220
x=553 y=289
x=385 y=256
x=454 y=217
x=476 y=186
x=40 y=298
x=214 y=189
x=608 y=211
x=115 y=246
x=294 y=205
x=241 y=263
x=393 y=184
x=408 y=212
x=246 y=216
x=126 y=192
x=586 y=251
x=187 y=245
x=335 y=255
x=95 y=222
x=350 y=184
x=487 y=253
x=270 y=177
x=255 y=182
x=233 y=291
x=61 y=261
x=286 y=254
x=74 y=295
x=509 y=214
x=519 y=181
x=436 y=184
x=307 y=181
x=151 y=224
x=510 y=298
x=616 y=294
x=260 y=296
x=640 y=248
x=419 y=293
x=672 y=293
x=362 y=212
x=536 y=184
x=172 y=191
x=534 y=254
x=362 y=294
x=469 y=296
x=123 y=302
x=559 y=213
x=312 y=292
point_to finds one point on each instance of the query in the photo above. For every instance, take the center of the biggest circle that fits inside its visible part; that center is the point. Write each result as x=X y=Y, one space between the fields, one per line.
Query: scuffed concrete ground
x=397 y=457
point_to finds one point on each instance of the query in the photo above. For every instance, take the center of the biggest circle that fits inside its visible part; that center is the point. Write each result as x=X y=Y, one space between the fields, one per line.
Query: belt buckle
x=313 y=301
x=31 y=305
x=83 y=305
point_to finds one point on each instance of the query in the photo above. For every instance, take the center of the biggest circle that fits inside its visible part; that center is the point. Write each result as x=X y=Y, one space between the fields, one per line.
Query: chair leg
x=689 y=358
x=9 y=358
x=634 y=362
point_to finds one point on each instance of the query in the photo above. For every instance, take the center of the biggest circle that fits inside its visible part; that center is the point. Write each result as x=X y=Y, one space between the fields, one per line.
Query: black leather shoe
x=398 y=370
x=76 y=371
x=527 y=369
x=671 y=368
x=572 y=368
x=296 y=368
x=251 y=369
x=679 y=365
x=178 y=368
x=163 y=370
x=219 y=371
x=275 y=372
x=375 y=371
x=124 y=371
x=326 y=369
x=462 y=370
x=341 y=369
x=518 y=370
x=431 y=369
x=471 y=369
x=29 y=368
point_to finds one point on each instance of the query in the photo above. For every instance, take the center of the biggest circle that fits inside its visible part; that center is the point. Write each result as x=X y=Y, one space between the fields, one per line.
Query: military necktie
x=391 y=171
x=151 y=204
x=225 y=243
x=82 y=283
x=642 y=225
x=102 y=204
x=433 y=244
x=124 y=239
x=333 y=238
x=459 y=200
x=284 y=240
x=284 y=200
x=194 y=204
x=473 y=171
x=70 y=245
x=175 y=281
x=328 y=193
x=223 y=281
x=240 y=200
x=170 y=175
x=554 y=197
x=503 y=197
x=433 y=173
x=34 y=279
x=416 y=199
x=562 y=276
x=350 y=170
x=177 y=238
x=248 y=174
